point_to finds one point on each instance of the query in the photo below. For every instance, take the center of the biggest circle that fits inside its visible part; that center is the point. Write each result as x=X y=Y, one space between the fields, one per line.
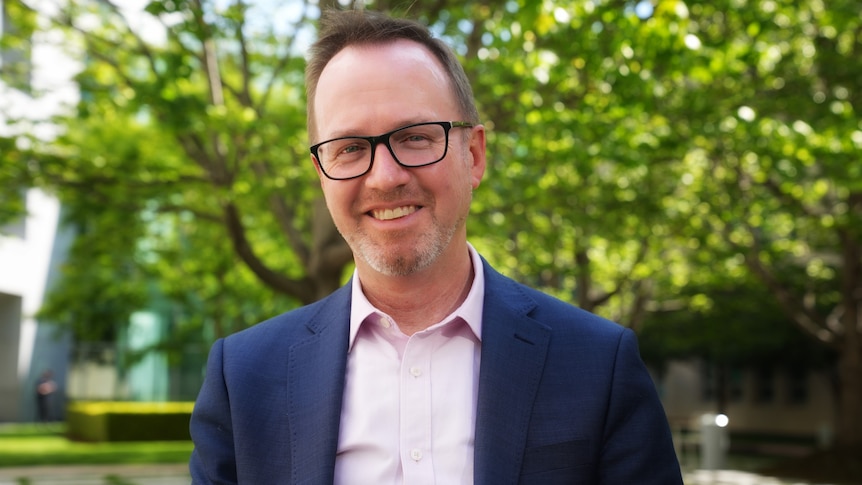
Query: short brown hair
x=343 y=28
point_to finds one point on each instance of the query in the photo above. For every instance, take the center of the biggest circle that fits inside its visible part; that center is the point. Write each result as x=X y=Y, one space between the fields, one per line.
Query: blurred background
x=691 y=170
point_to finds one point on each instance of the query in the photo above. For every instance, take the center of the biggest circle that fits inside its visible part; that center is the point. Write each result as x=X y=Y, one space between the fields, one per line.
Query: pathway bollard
x=714 y=442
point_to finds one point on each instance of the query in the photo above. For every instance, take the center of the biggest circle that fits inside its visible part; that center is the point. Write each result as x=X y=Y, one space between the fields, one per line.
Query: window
x=797 y=386
x=708 y=391
x=764 y=385
x=736 y=384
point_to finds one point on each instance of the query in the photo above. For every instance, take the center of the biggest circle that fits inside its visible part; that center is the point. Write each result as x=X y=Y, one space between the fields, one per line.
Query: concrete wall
x=10 y=326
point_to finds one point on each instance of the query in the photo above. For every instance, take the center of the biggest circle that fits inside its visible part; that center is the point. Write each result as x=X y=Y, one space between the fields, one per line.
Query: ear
x=477 y=152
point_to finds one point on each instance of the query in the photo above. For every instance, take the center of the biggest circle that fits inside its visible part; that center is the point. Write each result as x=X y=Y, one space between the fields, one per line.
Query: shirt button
x=385 y=322
x=415 y=371
x=416 y=454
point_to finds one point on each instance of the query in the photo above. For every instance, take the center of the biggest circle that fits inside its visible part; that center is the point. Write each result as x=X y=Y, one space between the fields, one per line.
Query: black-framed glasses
x=414 y=145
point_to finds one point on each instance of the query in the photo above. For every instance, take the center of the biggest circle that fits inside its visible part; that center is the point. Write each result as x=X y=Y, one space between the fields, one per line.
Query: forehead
x=397 y=82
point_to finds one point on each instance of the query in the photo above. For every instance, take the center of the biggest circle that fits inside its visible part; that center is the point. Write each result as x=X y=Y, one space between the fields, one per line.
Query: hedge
x=128 y=421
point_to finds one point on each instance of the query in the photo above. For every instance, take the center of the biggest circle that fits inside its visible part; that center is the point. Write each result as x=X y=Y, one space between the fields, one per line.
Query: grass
x=39 y=444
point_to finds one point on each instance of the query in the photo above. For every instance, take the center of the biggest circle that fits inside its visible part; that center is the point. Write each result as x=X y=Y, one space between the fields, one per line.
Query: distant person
x=45 y=389
x=428 y=367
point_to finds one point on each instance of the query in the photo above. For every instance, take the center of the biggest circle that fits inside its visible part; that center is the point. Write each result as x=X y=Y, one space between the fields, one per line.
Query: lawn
x=37 y=444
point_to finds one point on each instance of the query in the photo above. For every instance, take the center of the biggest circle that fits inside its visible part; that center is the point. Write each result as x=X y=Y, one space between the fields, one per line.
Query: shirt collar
x=470 y=310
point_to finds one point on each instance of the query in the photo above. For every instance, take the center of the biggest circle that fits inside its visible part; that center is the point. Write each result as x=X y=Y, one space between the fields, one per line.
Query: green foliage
x=580 y=156
x=770 y=170
x=737 y=324
x=16 y=46
x=12 y=183
x=183 y=172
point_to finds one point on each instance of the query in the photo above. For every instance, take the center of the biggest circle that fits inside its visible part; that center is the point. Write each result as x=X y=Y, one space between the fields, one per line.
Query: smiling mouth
x=389 y=214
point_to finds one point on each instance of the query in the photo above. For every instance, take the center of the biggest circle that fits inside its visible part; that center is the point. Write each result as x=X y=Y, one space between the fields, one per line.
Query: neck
x=422 y=299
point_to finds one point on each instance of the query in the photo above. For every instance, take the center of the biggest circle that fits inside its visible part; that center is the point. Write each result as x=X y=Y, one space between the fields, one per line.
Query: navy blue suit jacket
x=564 y=398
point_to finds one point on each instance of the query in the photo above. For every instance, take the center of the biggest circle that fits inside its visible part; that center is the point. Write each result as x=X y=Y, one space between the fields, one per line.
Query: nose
x=386 y=173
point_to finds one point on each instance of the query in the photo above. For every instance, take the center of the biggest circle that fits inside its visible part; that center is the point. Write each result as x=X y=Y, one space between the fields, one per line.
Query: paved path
x=175 y=474
x=733 y=477
x=178 y=475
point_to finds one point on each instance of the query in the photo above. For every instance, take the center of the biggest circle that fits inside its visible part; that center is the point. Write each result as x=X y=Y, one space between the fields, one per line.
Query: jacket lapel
x=514 y=347
x=315 y=388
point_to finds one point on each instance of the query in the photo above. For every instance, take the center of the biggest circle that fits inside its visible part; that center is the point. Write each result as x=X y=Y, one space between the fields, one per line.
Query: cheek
x=338 y=200
x=459 y=193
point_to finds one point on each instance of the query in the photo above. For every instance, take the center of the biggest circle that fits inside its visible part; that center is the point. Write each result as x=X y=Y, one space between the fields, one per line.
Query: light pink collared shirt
x=409 y=410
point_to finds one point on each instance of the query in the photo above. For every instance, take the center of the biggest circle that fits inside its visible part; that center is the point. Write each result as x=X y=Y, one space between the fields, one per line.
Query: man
x=45 y=388
x=429 y=366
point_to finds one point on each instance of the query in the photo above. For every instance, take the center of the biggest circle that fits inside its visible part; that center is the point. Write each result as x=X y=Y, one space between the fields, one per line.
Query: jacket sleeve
x=637 y=444
x=213 y=460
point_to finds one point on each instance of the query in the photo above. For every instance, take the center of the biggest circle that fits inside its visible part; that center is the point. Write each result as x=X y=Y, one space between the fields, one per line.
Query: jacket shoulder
x=560 y=316
x=304 y=321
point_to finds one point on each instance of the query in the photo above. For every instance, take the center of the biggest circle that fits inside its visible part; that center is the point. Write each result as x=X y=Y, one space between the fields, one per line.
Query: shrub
x=128 y=421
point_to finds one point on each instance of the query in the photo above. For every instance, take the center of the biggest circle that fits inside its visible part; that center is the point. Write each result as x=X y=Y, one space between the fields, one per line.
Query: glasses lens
x=345 y=158
x=419 y=145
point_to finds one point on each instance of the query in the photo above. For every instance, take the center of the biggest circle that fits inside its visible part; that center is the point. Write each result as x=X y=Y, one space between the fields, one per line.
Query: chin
x=399 y=263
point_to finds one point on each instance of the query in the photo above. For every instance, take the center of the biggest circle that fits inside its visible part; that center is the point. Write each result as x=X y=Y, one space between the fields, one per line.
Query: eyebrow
x=401 y=124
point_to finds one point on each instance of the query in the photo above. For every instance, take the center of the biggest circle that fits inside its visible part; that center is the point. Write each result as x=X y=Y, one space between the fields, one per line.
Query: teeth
x=388 y=214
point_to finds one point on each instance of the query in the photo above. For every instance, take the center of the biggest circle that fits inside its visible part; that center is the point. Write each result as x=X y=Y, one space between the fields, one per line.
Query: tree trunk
x=722 y=390
x=329 y=253
x=849 y=432
x=849 y=425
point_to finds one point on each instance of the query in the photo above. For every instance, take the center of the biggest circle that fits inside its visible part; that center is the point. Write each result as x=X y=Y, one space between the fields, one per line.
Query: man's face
x=397 y=220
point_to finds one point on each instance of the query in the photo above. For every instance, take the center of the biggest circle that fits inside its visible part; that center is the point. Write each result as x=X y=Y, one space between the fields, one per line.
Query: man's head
x=401 y=199
x=340 y=29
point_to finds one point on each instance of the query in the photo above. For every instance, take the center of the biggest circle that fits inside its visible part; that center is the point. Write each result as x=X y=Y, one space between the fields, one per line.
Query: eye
x=351 y=149
x=416 y=138
x=348 y=149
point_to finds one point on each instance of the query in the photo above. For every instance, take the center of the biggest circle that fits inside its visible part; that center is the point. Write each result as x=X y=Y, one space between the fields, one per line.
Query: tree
x=638 y=149
x=635 y=151
x=580 y=159
x=15 y=51
x=774 y=94
x=12 y=183
x=189 y=135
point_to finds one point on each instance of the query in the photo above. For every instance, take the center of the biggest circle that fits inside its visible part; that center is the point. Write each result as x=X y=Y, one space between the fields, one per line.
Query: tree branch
x=303 y=289
x=793 y=305
x=282 y=62
x=284 y=214
x=623 y=279
x=787 y=199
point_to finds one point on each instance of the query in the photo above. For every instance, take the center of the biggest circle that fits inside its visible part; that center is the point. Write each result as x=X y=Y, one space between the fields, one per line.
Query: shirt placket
x=415 y=412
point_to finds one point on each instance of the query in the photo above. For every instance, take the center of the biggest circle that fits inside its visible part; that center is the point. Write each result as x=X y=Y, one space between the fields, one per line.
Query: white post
x=713 y=441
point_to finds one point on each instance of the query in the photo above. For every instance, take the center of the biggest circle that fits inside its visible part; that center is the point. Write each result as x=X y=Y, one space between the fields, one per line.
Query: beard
x=413 y=259
x=389 y=255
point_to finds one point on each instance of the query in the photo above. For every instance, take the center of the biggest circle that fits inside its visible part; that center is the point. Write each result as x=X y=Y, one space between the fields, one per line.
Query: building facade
x=33 y=247
x=770 y=410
